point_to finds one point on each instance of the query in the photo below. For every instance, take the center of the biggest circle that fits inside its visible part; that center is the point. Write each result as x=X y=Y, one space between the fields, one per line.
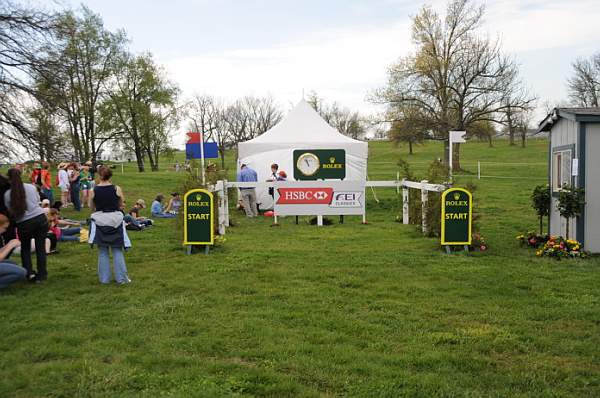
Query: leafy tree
x=142 y=104
x=408 y=126
x=78 y=70
x=570 y=203
x=540 y=198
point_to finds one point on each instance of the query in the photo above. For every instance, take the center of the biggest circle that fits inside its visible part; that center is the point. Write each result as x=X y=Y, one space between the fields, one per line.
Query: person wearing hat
x=63 y=183
x=46 y=205
x=134 y=219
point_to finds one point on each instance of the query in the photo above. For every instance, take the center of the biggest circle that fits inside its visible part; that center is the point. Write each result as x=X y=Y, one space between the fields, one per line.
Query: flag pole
x=202 y=157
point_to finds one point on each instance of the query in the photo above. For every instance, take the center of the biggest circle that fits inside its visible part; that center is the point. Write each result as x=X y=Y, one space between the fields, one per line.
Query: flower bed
x=552 y=246
x=532 y=239
x=558 y=248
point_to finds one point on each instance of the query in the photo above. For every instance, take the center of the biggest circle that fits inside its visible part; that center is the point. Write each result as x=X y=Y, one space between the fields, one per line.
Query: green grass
x=345 y=310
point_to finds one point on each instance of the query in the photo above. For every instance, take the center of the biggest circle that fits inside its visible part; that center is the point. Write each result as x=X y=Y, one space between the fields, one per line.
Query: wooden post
x=405 y=205
x=221 y=208
x=226 y=204
x=478 y=170
x=424 y=207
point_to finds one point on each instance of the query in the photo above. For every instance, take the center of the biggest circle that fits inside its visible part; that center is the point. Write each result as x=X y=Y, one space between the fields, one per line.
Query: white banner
x=319 y=198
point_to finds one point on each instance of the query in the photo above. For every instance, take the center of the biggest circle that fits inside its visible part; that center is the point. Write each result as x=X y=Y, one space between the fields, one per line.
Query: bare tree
x=207 y=114
x=584 y=85
x=347 y=122
x=456 y=78
x=250 y=117
x=24 y=33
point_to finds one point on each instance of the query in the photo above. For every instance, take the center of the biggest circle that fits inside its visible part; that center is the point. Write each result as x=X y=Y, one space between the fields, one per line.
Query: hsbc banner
x=319 y=198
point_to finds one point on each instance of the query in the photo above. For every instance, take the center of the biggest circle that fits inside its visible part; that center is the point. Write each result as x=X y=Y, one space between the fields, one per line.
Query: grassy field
x=345 y=310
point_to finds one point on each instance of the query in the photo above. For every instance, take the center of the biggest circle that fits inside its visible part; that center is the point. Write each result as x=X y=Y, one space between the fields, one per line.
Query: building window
x=561 y=169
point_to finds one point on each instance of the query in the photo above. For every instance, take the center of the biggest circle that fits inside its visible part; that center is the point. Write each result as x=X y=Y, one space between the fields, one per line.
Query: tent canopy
x=302 y=128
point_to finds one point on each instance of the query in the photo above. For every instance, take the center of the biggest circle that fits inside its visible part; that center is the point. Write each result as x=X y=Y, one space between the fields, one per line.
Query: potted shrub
x=540 y=198
x=570 y=203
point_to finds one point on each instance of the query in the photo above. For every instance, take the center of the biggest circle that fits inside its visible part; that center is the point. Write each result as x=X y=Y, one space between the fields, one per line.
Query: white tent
x=302 y=128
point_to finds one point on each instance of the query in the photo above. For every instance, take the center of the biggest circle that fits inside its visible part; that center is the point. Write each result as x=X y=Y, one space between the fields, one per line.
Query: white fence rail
x=222 y=187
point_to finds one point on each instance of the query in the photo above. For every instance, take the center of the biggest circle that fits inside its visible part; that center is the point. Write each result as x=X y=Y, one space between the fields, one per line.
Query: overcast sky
x=339 y=48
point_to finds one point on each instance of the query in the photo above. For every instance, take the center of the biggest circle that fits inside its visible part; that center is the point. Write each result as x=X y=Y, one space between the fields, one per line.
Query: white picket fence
x=222 y=187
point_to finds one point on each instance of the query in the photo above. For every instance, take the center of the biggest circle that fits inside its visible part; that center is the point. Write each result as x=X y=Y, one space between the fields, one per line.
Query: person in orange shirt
x=46 y=175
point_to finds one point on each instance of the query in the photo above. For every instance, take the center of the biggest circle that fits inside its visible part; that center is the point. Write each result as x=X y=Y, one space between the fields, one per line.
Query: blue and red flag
x=192 y=147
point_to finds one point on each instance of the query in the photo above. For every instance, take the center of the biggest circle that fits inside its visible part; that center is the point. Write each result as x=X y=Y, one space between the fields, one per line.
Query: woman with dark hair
x=107 y=229
x=22 y=201
x=75 y=185
x=157 y=208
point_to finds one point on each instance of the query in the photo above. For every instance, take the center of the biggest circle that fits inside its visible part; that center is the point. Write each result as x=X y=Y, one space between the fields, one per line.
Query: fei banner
x=319 y=198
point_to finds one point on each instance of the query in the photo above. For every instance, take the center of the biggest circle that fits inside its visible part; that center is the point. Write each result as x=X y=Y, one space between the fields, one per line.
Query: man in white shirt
x=63 y=183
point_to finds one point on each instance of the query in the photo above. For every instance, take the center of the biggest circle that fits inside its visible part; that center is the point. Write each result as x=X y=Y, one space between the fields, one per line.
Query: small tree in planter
x=540 y=198
x=570 y=203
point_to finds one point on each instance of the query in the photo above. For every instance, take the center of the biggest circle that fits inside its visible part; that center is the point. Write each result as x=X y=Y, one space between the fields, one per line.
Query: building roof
x=591 y=115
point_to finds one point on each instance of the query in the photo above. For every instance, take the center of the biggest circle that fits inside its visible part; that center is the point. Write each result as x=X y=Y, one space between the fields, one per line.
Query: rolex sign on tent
x=303 y=128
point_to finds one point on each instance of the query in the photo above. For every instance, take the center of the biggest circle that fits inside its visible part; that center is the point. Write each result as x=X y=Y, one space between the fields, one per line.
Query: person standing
x=47 y=182
x=107 y=228
x=85 y=179
x=63 y=183
x=74 y=183
x=246 y=174
x=273 y=177
x=22 y=201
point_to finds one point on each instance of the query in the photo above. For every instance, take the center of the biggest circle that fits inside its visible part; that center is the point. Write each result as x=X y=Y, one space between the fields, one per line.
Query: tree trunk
x=523 y=138
x=222 y=151
x=541 y=225
x=152 y=160
x=511 y=137
x=567 y=228
x=410 y=147
x=490 y=141
x=139 y=157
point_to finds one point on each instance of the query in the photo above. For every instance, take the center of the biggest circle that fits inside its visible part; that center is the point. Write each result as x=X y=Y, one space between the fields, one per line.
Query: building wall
x=564 y=132
x=592 y=188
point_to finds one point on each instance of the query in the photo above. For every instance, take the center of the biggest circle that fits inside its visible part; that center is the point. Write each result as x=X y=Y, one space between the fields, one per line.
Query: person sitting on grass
x=157 y=209
x=65 y=231
x=10 y=272
x=134 y=221
x=174 y=204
